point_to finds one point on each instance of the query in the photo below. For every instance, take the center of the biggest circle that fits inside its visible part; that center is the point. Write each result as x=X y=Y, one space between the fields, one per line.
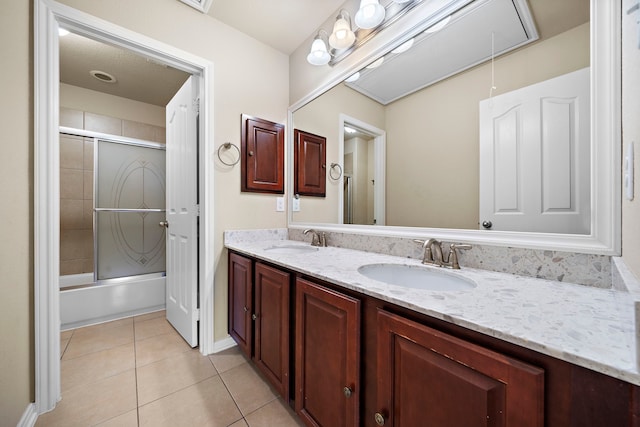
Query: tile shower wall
x=76 y=182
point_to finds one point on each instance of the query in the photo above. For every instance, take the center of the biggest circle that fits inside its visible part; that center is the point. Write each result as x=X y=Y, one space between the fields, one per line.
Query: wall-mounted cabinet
x=262 y=154
x=310 y=164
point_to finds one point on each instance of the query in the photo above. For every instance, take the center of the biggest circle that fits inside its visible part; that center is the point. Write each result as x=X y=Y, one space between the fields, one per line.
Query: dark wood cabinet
x=262 y=153
x=271 y=353
x=241 y=301
x=310 y=164
x=345 y=356
x=426 y=377
x=259 y=317
x=327 y=356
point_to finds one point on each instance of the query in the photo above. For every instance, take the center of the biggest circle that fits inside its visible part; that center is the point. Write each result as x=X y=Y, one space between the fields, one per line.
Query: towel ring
x=226 y=146
x=333 y=167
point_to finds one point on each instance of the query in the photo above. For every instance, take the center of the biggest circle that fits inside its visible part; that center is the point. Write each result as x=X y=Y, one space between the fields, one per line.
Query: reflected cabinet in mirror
x=487 y=126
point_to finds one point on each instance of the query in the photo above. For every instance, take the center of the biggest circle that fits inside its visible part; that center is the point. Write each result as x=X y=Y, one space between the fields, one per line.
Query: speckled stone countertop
x=590 y=327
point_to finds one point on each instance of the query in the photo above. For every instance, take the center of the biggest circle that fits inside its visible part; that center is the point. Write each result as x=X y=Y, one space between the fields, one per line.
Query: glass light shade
x=319 y=54
x=342 y=37
x=370 y=14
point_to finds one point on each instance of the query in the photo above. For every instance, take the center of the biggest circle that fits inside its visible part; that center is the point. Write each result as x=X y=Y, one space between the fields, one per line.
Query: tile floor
x=140 y=372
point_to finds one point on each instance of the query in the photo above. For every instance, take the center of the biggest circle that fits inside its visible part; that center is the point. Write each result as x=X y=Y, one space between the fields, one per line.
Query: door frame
x=379 y=164
x=48 y=16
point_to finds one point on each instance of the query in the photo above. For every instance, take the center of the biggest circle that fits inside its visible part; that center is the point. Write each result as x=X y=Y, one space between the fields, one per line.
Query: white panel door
x=182 y=213
x=534 y=157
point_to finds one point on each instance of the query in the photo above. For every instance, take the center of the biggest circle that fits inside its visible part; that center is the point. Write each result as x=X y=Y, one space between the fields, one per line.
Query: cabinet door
x=327 y=356
x=262 y=147
x=271 y=353
x=310 y=164
x=428 y=378
x=240 y=301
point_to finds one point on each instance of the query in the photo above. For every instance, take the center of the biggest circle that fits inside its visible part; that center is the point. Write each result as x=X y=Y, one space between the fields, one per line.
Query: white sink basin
x=291 y=249
x=416 y=277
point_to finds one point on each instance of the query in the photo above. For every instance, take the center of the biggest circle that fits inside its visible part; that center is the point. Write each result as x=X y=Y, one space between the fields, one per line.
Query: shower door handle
x=164 y=224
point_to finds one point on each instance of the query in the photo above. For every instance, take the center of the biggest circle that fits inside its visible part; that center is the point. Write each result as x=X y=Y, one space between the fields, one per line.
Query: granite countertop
x=590 y=327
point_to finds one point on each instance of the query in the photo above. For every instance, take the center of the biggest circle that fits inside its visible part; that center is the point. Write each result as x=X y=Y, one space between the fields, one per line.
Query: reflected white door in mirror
x=534 y=157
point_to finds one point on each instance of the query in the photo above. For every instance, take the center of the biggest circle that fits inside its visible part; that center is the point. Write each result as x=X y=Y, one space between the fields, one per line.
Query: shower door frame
x=48 y=17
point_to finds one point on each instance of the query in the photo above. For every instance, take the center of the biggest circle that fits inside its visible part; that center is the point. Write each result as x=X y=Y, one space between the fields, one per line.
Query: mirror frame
x=605 y=58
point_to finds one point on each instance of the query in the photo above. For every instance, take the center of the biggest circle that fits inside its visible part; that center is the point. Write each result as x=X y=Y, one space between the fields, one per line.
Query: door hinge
x=196 y=314
x=196 y=105
x=197 y=210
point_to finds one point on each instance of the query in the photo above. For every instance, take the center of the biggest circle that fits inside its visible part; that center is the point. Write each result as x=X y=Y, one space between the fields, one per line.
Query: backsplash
x=583 y=269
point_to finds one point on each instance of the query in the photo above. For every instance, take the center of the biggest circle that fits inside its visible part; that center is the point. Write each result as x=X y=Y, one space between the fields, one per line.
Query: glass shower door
x=129 y=205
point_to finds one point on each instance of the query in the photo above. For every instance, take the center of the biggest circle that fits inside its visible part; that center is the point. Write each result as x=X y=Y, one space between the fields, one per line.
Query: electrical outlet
x=295 y=204
x=279 y=204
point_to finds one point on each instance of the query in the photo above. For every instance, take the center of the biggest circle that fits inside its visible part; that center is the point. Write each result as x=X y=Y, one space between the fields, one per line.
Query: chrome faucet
x=317 y=239
x=433 y=253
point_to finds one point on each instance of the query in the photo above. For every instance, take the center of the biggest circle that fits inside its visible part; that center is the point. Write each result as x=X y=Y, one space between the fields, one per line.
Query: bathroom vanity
x=346 y=350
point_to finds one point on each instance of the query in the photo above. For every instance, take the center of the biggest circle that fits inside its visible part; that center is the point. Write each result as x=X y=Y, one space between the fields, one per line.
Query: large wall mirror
x=433 y=114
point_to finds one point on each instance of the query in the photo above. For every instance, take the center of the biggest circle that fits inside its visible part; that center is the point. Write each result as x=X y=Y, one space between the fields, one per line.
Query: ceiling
x=283 y=24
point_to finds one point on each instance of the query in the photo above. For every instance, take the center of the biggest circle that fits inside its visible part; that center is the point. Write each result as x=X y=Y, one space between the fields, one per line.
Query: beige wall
x=321 y=117
x=432 y=135
x=16 y=176
x=631 y=134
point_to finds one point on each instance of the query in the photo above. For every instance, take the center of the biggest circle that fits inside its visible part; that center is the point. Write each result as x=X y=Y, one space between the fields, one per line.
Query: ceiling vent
x=102 y=76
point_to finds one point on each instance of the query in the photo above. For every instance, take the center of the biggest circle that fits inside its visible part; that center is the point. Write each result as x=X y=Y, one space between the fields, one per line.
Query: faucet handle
x=453 y=255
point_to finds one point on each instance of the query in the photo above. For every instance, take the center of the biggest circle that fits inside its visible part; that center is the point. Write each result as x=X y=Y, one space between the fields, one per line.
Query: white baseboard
x=29 y=416
x=223 y=344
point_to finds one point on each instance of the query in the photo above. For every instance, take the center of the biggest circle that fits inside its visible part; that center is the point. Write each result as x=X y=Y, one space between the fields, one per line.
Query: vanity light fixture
x=347 y=129
x=62 y=31
x=342 y=36
x=370 y=14
x=370 y=19
x=319 y=54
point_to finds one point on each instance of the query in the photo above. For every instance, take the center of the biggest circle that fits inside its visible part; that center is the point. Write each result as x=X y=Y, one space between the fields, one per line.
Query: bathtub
x=84 y=303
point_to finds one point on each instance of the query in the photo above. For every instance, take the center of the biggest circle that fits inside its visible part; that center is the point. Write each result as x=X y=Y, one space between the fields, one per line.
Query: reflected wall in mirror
x=432 y=154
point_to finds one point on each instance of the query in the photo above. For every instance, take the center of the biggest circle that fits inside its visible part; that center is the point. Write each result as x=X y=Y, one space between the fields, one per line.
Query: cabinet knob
x=246 y=309
x=347 y=392
x=164 y=224
x=254 y=316
x=487 y=224
x=379 y=418
x=250 y=153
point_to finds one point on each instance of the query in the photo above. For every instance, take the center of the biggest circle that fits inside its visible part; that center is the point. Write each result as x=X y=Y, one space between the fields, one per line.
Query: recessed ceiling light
x=403 y=47
x=103 y=76
x=353 y=77
x=376 y=64
x=438 y=26
x=347 y=129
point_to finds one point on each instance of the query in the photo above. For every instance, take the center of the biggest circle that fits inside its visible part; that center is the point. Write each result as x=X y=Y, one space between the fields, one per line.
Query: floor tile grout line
x=181 y=389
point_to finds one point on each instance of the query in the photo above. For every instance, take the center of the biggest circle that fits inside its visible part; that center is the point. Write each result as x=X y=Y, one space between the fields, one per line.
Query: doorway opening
x=362 y=153
x=49 y=16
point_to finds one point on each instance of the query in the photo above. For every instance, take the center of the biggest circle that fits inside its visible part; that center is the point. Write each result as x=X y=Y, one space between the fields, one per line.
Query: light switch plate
x=279 y=204
x=295 y=204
